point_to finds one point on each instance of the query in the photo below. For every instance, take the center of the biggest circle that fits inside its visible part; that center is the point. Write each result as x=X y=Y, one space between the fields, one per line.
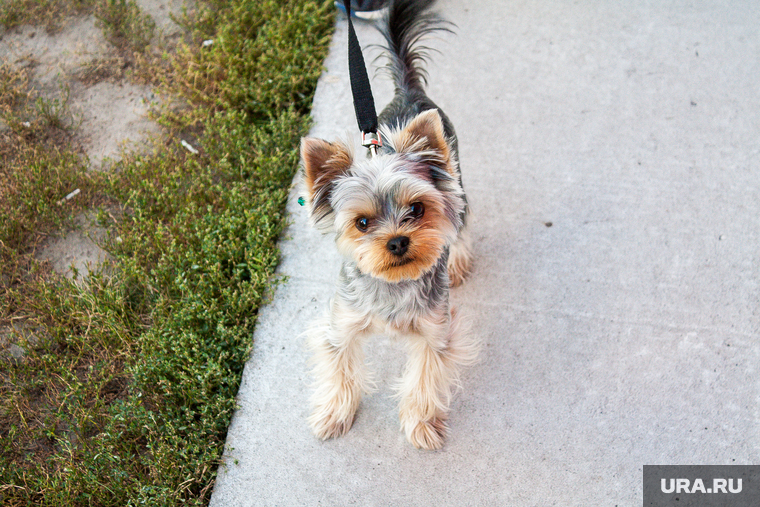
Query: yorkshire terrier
x=400 y=222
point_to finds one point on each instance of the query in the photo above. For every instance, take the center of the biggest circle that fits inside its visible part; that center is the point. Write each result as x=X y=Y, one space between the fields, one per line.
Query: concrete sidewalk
x=611 y=154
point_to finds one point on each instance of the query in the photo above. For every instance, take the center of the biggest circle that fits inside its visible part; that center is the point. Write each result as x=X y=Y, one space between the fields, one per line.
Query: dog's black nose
x=398 y=245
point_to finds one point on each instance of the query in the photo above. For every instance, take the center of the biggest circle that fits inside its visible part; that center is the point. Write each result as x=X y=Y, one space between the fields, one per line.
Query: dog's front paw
x=428 y=435
x=331 y=420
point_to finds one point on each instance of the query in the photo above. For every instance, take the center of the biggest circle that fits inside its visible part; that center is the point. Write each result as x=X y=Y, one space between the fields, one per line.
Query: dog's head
x=395 y=213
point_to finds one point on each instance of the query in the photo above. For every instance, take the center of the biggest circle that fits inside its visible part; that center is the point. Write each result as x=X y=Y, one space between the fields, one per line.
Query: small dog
x=400 y=222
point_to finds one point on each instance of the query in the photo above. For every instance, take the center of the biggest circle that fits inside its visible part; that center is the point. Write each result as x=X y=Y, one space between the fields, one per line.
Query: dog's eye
x=362 y=224
x=417 y=210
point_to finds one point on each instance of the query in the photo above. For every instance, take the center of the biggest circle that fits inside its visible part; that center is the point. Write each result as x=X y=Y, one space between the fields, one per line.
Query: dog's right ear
x=323 y=162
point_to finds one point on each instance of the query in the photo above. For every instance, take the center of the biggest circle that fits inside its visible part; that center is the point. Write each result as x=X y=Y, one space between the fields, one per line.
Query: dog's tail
x=407 y=23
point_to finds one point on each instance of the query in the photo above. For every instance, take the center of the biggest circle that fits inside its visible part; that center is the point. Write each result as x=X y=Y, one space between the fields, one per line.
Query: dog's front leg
x=438 y=348
x=339 y=371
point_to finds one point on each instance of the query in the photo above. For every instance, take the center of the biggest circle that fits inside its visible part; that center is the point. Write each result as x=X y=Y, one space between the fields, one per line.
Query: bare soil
x=107 y=111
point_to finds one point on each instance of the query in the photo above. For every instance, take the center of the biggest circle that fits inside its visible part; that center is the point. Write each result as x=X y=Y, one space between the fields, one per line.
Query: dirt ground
x=108 y=113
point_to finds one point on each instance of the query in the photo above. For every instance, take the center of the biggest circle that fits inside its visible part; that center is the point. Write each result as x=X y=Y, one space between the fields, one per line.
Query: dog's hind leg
x=460 y=257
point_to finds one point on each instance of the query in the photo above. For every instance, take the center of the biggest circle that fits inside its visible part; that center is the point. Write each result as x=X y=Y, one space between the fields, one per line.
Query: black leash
x=364 y=103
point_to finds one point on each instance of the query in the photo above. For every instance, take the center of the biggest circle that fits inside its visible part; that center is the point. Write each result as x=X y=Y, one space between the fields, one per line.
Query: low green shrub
x=127 y=382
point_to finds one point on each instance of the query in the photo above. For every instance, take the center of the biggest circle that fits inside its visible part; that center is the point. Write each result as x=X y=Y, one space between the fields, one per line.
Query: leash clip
x=372 y=142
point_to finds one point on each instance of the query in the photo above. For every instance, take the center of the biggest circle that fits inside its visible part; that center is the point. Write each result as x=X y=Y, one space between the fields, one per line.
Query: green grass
x=128 y=383
x=122 y=22
x=124 y=25
x=45 y=13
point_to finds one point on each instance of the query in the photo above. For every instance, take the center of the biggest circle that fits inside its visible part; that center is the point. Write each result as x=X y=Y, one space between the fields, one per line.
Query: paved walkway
x=611 y=154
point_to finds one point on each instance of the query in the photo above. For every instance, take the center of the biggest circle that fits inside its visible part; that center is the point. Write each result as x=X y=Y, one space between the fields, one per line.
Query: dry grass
x=44 y=13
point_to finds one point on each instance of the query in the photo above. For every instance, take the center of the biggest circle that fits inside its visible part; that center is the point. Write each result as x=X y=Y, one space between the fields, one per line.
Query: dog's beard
x=372 y=257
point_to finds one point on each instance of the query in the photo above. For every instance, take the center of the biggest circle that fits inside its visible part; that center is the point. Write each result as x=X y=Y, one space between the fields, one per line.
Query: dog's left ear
x=425 y=132
x=322 y=162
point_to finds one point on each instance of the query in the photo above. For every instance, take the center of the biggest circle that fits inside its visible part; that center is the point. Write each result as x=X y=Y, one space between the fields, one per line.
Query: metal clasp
x=372 y=142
